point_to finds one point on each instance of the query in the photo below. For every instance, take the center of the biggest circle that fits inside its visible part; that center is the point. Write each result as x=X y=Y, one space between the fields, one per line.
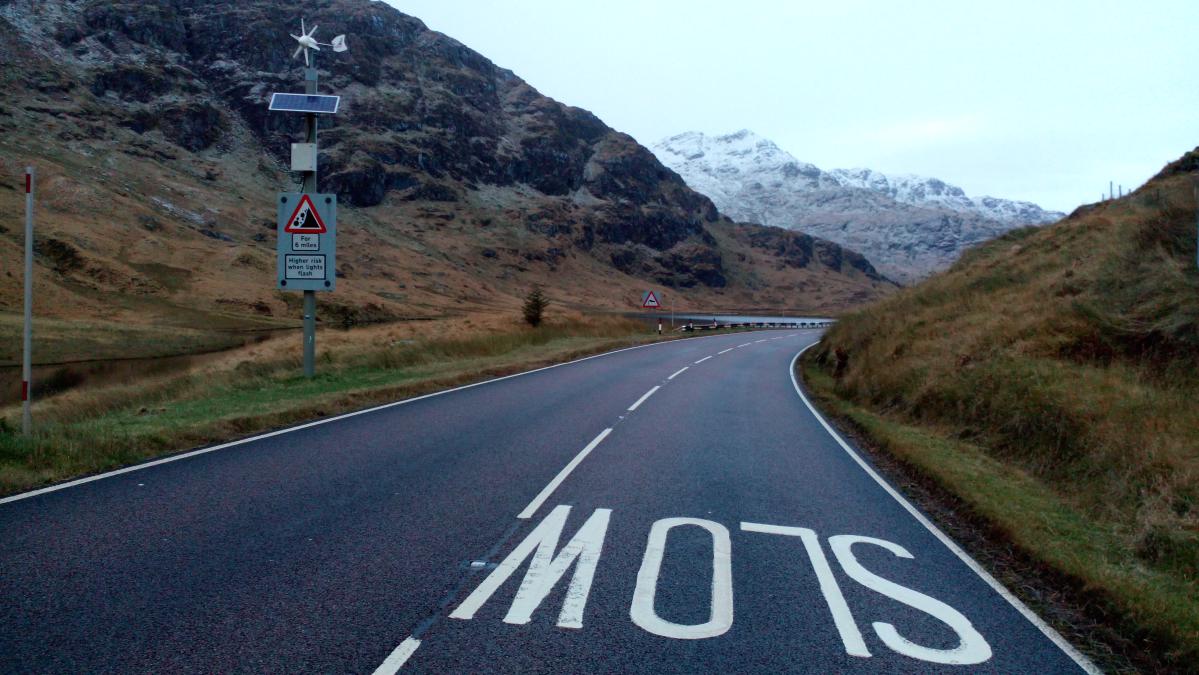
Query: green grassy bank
x=89 y=431
x=1049 y=380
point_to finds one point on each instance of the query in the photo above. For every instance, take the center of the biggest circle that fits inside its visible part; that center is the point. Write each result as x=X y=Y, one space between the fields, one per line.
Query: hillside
x=460 y=184
x=908 y=226
x=1049 y=380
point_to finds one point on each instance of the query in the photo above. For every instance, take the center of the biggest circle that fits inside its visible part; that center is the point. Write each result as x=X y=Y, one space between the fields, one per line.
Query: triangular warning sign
x=650 y=301
x=305 y=219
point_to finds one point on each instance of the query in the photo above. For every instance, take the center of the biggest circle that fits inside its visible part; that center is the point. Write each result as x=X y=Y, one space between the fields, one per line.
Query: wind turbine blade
x=302 y=31
x=298 y=50
x=313 y=31
x=306 y=63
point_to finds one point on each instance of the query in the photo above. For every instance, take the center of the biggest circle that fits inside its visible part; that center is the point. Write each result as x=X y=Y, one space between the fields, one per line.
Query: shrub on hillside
x=534 y=307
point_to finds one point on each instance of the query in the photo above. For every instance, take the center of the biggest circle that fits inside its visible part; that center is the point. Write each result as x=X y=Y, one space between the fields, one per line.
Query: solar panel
x=306 y=103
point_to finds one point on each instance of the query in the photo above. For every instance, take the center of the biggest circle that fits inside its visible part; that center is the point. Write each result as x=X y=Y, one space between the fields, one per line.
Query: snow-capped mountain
x=909 y=226
x=921 y=191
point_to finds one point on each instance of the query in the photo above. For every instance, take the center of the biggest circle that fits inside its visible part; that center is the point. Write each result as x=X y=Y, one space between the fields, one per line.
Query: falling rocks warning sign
x=307 y=244
x=305 y=219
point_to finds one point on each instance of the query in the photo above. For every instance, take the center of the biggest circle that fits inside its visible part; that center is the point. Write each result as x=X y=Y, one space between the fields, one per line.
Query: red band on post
x=24 y=390
x=28 y=183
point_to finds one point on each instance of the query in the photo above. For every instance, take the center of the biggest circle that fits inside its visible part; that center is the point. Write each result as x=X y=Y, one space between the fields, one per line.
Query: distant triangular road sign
x=650 y=301
x=305 y=219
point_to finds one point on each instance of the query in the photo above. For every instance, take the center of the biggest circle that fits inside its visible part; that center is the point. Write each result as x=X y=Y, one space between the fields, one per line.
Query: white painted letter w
x=546 y=569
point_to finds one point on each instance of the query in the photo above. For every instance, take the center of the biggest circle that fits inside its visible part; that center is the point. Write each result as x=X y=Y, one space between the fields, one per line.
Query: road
x=677 y=507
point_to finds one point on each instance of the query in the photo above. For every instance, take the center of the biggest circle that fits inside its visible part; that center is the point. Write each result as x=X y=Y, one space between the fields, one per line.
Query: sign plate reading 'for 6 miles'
x=307 y=245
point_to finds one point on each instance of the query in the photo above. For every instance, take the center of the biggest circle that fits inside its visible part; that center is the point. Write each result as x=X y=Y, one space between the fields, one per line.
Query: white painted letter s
x=971 y=649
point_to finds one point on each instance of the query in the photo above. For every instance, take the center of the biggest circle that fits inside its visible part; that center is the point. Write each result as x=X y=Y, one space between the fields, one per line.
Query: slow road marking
x=548 y=566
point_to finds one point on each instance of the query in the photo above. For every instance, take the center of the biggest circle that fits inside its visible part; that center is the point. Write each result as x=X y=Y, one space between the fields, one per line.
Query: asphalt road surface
x=670 y=508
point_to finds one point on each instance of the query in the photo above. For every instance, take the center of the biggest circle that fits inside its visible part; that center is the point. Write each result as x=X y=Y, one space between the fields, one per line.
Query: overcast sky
x=1043 y=100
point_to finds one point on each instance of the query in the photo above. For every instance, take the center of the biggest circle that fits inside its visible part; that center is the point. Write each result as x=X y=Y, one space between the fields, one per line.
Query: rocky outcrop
x=440 y=150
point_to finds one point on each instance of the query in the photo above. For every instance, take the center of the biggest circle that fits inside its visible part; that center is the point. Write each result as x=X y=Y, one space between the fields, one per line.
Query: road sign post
x=27 y=347
x=307 y=222
x=309 y=185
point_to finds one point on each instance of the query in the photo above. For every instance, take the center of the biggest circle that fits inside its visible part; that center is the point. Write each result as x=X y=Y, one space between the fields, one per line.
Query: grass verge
x=1153 y=606
x=98 y=430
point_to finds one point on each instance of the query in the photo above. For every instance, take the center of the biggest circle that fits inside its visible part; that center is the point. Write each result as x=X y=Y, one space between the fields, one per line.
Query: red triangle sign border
x=316 y=216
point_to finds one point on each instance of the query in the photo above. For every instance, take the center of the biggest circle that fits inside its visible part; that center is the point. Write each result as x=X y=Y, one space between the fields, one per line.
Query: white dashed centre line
x=725 y=351
x=553 y=485
x=760 y=341
x=678 y=372
x=744 y=345
x=702 y=360
x=398 y=658
x=643 y=397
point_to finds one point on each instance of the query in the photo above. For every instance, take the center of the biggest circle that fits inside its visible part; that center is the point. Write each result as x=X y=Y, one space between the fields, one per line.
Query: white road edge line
x=701 y=360
x=398 y=657
x=678 y=372
x=725 y=351
x=202 y=451
x=553 y=485
x=1078 y=658
x=646 y=395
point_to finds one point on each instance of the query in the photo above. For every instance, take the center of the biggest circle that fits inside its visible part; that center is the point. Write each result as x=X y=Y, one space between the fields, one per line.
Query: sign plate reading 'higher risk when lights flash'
x=307 y=245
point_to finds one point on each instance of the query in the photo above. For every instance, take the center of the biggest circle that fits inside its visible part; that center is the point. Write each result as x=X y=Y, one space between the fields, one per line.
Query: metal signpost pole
x=306 y=248
x=309 y=186
x=27 y=354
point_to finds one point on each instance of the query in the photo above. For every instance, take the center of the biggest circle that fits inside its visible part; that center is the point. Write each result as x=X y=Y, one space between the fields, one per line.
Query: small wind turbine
x=308 y=42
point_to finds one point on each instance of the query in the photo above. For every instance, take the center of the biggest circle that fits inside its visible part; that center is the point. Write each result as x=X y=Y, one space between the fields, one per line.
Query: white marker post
x=27 y=354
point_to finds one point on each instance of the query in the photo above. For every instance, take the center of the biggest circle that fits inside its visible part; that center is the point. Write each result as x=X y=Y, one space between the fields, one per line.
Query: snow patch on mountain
x=908 y=225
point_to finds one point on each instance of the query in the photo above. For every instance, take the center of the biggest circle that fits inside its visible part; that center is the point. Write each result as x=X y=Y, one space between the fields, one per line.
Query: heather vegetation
x=1049 y=379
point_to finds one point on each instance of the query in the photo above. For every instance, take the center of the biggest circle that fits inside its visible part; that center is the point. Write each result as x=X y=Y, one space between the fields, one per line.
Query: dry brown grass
x=96 y=428
x=1069 y=353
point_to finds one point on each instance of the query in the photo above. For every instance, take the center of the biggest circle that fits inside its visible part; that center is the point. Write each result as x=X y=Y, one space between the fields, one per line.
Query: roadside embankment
x=92 y=429
x=1049 y=381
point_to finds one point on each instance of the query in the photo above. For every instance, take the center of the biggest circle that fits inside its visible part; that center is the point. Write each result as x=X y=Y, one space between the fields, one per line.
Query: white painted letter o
x=720 y=618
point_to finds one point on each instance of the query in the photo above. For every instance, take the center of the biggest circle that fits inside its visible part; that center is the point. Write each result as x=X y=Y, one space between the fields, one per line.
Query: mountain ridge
x=461 y=185
x=909 y=226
